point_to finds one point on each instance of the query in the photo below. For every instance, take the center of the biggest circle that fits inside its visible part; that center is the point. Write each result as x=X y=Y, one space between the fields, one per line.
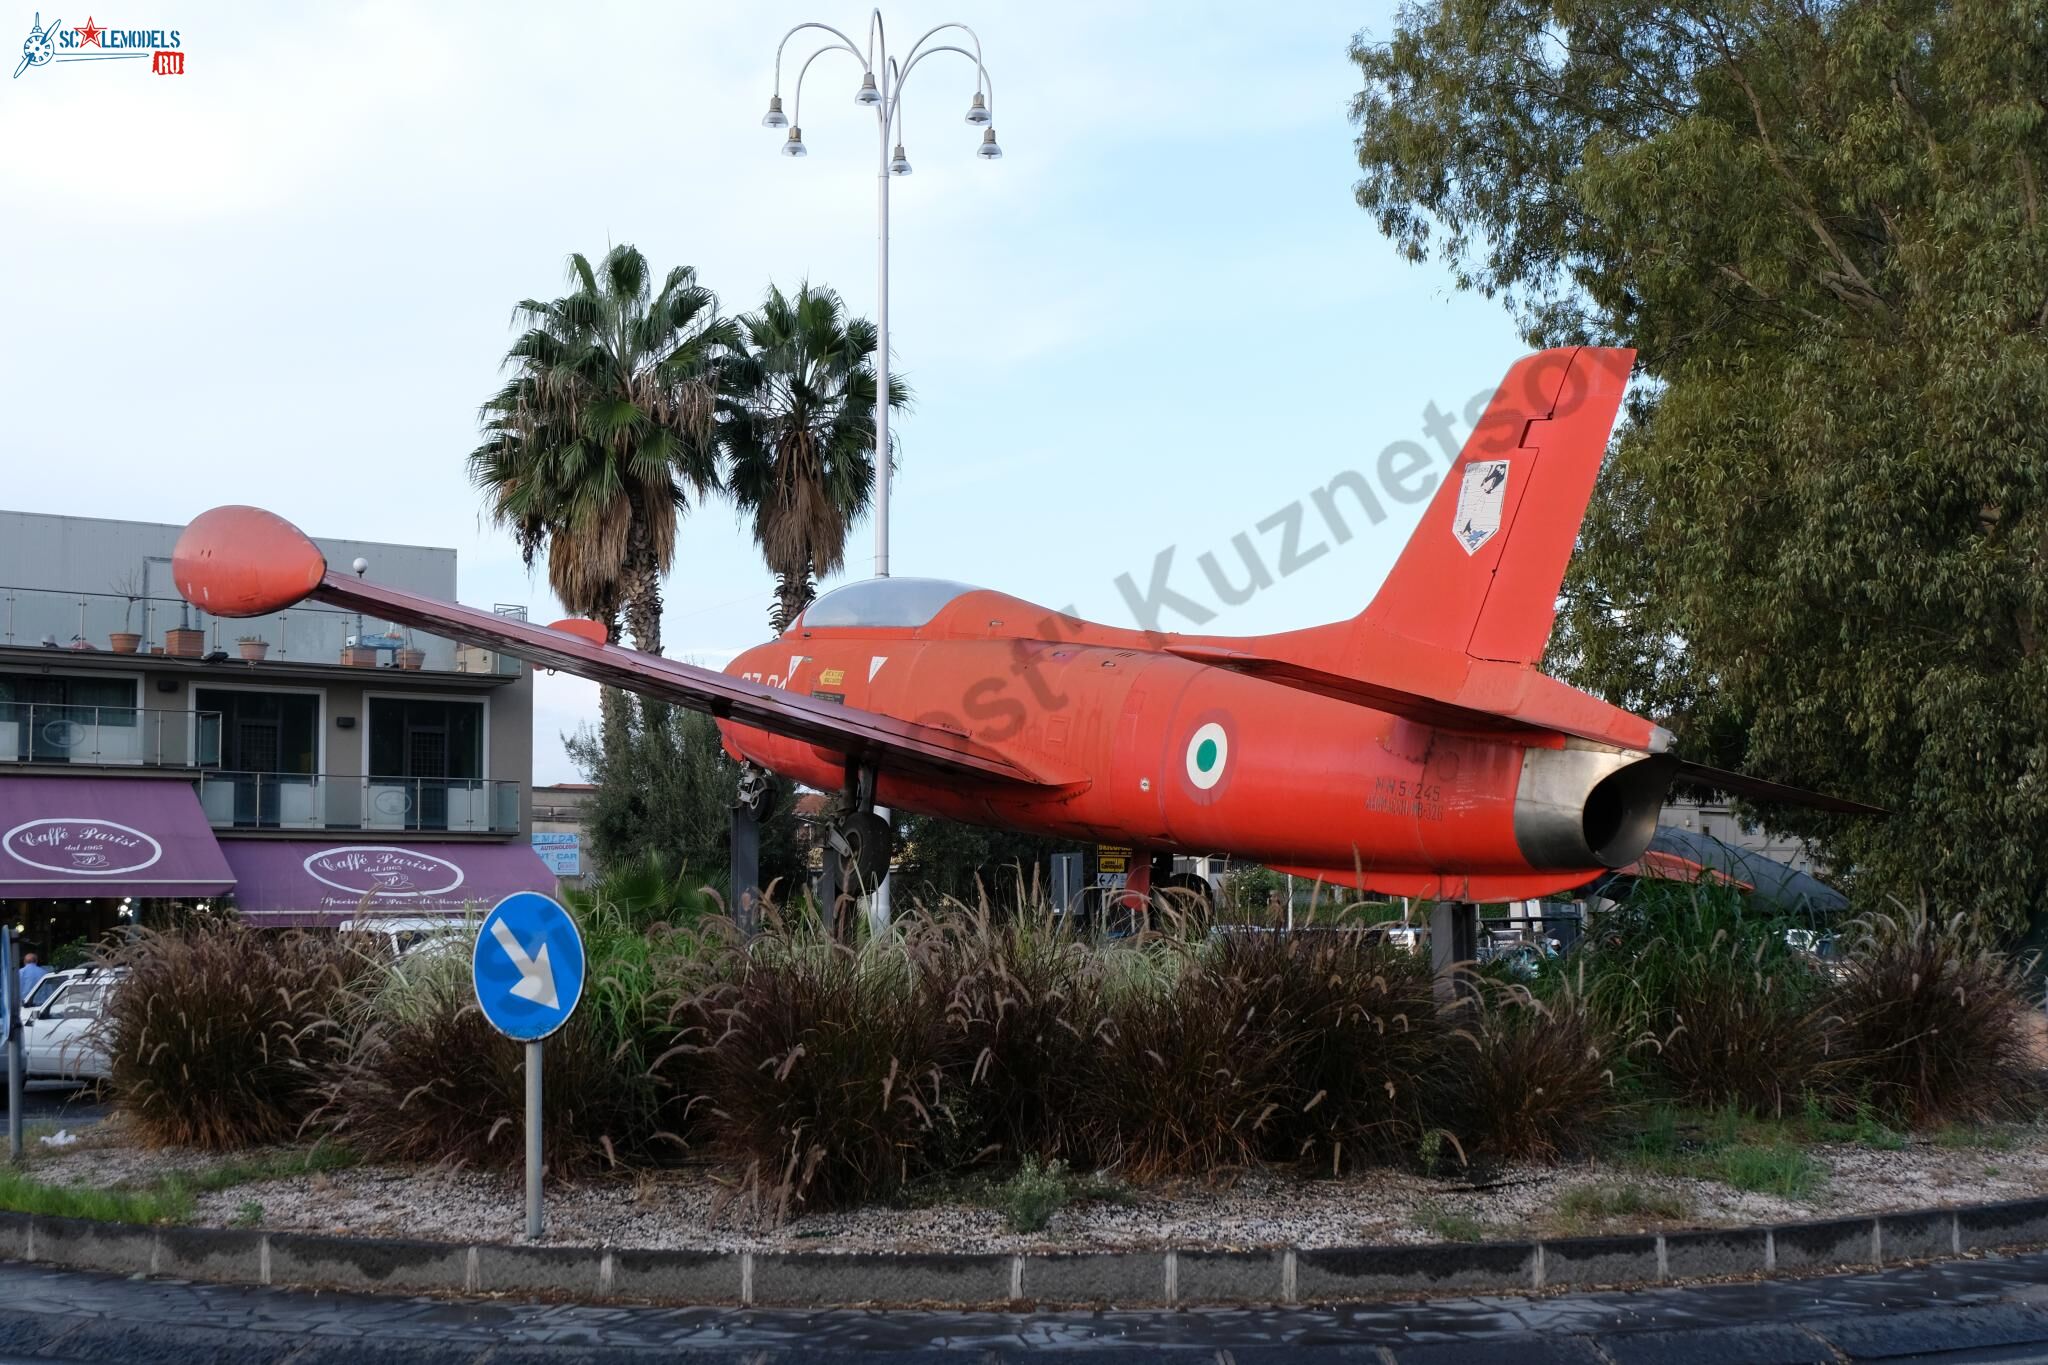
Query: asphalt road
x=1995 y=1309
x=56 y=1102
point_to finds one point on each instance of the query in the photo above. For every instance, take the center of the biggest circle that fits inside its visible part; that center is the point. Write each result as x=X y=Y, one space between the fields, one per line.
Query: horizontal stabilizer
x=1757 y=789
x=1471 y=694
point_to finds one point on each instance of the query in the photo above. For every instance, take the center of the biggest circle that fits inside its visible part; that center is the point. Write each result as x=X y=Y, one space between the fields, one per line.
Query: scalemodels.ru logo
x=91 y=42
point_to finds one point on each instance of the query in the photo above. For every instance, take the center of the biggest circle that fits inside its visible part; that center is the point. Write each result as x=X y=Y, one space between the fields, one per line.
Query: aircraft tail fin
x=1481 y=573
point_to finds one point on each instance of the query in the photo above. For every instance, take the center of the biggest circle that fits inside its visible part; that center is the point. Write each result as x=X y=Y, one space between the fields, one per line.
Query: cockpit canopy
x=883 y=602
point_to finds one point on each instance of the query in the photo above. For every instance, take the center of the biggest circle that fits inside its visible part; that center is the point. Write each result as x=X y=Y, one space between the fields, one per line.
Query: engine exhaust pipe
x=1588 y=807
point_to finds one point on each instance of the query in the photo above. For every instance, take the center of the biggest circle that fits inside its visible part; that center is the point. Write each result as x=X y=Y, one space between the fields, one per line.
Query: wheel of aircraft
x=866 y=843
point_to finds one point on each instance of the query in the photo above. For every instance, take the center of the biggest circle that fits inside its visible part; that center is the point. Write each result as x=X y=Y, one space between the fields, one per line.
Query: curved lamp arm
x=796 y=99
x=972 y=36
x=844 y=40
x=981 y=78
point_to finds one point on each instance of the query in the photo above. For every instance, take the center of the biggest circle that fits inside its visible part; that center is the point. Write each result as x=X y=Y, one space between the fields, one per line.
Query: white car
x=61 y=1037
x=404 y=935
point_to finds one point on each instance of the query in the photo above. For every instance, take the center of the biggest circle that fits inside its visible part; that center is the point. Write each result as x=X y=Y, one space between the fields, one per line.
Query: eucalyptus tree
x=1820 y=546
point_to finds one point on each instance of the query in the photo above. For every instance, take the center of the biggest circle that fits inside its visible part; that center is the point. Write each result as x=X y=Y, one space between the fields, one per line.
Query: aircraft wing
x=243 y=561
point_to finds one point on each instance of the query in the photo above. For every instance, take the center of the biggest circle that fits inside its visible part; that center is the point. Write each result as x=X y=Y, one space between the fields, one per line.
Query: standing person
x=32 y=971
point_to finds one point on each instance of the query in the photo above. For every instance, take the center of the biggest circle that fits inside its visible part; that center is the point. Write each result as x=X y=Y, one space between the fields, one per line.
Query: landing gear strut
x=749 y=808
x=858 y=847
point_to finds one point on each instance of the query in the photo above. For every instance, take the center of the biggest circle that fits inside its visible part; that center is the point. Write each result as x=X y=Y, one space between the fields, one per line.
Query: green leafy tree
x=664 y=797
x=604 y=430
x=798 y=429
x=1819 y=548
x=946 y=860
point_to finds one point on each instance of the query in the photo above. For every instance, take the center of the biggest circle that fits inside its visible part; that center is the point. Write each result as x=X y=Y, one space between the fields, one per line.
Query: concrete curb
x=1174 y=1278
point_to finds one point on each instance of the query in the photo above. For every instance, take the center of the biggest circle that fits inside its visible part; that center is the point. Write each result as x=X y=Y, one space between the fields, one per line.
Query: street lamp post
x=881 y=88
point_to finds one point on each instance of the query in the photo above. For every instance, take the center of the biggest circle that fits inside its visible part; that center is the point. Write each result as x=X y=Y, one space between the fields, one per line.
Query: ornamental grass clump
x=1932 y=1019
x=1534 y=1078
x=1023 y=1002
x=1715 y=1006
x=426 y=1077
x=1366 y=1067
x=1745 y=1025
x=831 y=1074
x=220 y=1036
x=1190 y=1071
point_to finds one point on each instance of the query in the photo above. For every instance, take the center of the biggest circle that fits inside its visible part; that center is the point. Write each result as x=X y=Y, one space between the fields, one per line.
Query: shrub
x=1366 y=1067
x=1743 y=1027
x=1932 y=1017
x=830 y=1073
x=1533 y=1077
x=1188 y=1073
x=219 y=1035
x=1324 y=1048
x=1719 y=1007
x=396 y=1096
x=1024 y=1003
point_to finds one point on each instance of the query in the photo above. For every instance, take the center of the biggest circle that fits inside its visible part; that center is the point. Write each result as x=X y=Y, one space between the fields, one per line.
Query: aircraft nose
x=244 y=561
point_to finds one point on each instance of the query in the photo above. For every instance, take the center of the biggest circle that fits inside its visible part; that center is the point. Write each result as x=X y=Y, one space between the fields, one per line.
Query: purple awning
x=311 y=883
x=77 y=838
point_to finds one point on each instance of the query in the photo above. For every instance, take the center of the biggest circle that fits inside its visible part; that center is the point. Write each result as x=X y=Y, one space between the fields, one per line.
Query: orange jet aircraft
x=1415 y=749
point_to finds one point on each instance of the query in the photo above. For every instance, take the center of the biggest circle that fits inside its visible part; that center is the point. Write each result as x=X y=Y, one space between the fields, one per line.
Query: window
x=83 y=1001
x=883 y=602
x=426 y=764
x=268 y=751
x=426 y=737
x=265 y=732
x=52 y=718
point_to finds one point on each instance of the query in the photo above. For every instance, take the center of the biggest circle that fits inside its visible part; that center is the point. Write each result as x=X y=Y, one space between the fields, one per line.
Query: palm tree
x=797 y=423
x=605 y=428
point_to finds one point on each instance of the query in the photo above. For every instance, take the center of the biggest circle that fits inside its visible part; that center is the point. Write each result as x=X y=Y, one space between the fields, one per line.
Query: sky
x=286 y=277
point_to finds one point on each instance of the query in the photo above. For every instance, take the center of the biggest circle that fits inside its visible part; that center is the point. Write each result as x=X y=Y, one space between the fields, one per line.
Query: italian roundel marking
x=1208 y=756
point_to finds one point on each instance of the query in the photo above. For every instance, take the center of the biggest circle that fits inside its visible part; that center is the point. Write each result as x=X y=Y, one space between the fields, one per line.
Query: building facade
x=313 y=765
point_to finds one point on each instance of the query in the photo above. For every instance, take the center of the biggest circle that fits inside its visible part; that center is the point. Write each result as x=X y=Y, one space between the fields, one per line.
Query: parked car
x=61 y=1036
x=402 y=935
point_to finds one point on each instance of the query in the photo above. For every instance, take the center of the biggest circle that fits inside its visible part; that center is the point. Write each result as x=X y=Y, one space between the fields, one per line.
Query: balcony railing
x=456 y=805
x=103 y=622
x=115 y=736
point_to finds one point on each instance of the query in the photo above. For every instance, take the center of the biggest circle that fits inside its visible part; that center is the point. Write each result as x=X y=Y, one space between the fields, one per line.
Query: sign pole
x=527 y=968
x=533 y=1141
x=10 y=991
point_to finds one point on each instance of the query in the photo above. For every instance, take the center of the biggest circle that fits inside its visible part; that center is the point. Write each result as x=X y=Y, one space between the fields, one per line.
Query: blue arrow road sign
x=528 y=966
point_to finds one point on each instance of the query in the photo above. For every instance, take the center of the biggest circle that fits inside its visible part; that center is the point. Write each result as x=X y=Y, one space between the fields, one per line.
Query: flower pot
x=124 y=641
x=252 y=650
x=184 y=642
x=359 y=656
x=411 y=660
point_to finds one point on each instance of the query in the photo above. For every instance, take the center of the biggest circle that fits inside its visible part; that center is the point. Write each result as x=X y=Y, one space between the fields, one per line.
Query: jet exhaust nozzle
x=1588 y=807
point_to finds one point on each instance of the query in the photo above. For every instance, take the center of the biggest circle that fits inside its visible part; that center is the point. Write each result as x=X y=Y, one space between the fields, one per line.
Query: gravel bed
x=684 y=1208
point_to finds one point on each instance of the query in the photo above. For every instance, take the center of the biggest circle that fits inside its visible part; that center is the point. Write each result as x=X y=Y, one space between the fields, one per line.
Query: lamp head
x=977 y=112
x=795 y=145
x=899 y=164
x=990 y=149
x=774 y=118
x=868 y=93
